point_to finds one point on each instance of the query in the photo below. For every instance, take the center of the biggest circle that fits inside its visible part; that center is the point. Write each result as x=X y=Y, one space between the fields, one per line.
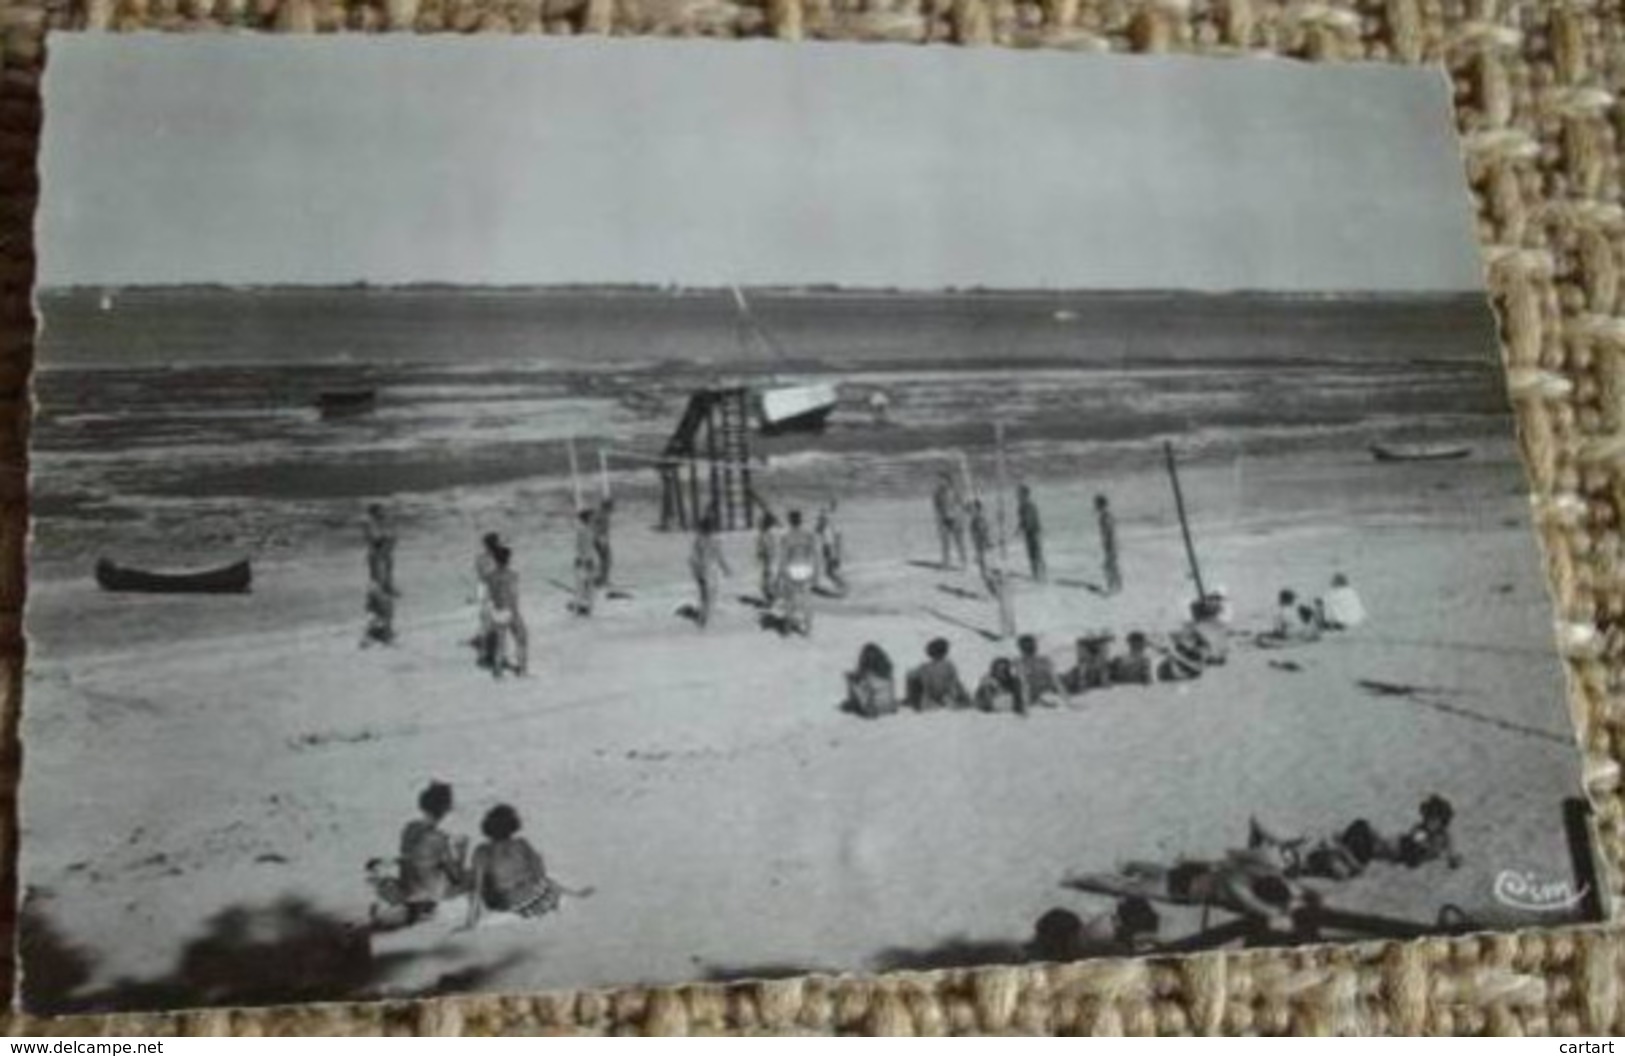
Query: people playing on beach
x=768 y=542
x=506 y=874
x=586 y=564
x=1032 y=532
x=935 y=684
x=798 y=571
x=1040 y=684
x=981 y=542
x=831 y=550
x=507 y=621
x=1000 y=689
x=601 y=516
x=1093 y=667
x=432 y=863
x=485 y=566
x=1134 y=667
x=706 y=563
x=380 y=537
x=948 y=506
x=871 y=690
x=1111 y=568
x=1340 y=608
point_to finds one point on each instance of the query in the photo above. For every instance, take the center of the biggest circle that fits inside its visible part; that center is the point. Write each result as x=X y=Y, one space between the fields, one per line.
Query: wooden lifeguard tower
x=712 y=444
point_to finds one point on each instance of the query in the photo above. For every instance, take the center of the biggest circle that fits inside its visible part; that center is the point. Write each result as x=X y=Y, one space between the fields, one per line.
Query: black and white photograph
x=511 y=516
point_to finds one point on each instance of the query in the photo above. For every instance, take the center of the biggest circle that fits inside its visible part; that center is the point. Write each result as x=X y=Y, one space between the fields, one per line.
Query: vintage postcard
x=522 y=514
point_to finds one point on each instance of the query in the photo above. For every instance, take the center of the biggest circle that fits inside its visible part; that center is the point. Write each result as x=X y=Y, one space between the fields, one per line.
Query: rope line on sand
x=1467 y=713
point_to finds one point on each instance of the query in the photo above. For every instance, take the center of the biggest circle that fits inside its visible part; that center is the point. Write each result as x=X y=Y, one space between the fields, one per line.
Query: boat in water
x=346 y=403
x=236 y=578
x=1419 y=452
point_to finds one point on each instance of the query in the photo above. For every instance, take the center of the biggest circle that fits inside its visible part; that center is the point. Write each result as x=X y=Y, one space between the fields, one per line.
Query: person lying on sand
x=870 y=689
x=1183 y=659
x=1340 y=608
x=431 y=862
x=1135 y=666
x=935 y=684
x=1240 y=883
x=1339 y=856
x=1000 y=689
x=1039 y=682
x=1060 y=935
x=1093 y=668
x=508 y=876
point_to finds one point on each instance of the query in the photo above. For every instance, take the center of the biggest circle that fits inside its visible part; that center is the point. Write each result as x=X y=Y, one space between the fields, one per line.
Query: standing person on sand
x=600 y=537
x=1032 y=532
x=1108 y=545
x=799 y=569
x=768 y=540
x=981 y=541
x=507 y=622
x=705 y=561
x=831 y=550
x=380 y=537
x=485 y=567
x=949 y=508
x=586 y=564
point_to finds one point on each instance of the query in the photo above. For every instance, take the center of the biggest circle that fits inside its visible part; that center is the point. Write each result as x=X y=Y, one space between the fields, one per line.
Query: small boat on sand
x=346 y=403
x=235 y=578
x=1419 y=452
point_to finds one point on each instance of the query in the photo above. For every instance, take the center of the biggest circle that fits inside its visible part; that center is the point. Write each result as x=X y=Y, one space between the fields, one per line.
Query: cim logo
x=1526 y=890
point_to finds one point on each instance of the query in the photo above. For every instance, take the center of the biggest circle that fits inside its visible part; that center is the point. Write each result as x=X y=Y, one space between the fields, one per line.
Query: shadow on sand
x=283 y=952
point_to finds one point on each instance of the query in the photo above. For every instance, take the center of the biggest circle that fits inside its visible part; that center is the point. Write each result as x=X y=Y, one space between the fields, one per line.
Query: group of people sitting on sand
x=1263 y=881
x=1298 y=620
x=1030 y=679
x=505 y=874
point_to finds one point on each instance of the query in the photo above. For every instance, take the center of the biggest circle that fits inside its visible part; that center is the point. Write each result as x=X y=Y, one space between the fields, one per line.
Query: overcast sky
x=259 y=159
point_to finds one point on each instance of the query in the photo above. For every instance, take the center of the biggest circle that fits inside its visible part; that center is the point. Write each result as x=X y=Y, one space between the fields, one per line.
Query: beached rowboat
x=229 y=579
x=345 y=403
x=1419 y=452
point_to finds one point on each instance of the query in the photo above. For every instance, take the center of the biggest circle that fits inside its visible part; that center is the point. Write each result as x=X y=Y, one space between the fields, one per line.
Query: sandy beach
x=732 y=820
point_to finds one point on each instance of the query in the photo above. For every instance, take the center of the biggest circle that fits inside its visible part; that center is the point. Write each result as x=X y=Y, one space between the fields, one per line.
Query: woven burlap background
x=1536 y=94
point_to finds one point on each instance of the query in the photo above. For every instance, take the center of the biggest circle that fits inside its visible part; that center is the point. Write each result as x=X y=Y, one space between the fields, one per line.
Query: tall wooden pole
x=1184 y=522
x=1007 y=611
x=575 y=472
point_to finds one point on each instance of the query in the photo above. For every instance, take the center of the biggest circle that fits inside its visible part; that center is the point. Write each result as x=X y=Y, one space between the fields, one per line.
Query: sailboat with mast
x=784 y=407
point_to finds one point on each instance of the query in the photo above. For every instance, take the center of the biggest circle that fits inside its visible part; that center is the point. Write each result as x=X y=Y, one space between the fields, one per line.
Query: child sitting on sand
x=431 y=862
x=1093 y=669
x=870 y=689
x=1037 y=673
x=1341 y=608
